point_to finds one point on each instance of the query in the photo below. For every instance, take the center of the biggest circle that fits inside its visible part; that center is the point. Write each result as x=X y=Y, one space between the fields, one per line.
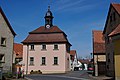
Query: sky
x=77 y=18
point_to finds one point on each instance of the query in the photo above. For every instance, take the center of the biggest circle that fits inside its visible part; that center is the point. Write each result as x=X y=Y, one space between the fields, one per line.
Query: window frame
x=32 y=47
x=2 y=60
x=56 y=47
x=44 y=47
x=3 y=41
x=43 y=61
x=31 y=61
x=55 y=61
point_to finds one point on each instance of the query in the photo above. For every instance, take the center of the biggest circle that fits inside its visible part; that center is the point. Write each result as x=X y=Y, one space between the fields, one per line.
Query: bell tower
x=48 y=18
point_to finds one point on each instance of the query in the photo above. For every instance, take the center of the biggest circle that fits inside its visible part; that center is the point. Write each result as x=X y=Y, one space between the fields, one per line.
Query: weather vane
x=50 y=2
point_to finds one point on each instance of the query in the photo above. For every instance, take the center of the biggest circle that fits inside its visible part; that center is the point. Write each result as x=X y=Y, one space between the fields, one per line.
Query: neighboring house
x=18 y=53
x=74 y=61
x=115 y=36
x=7 y=35
x=112 y=41
x=99 y=57
x=46 y=49
x=84 y=63
x=17 y=57
x=112 y=22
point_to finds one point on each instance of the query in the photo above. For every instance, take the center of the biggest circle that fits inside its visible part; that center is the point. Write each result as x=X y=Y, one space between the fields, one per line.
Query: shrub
x=35 y=72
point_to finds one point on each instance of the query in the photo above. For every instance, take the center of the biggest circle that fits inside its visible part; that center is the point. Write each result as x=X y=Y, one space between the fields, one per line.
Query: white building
x=74 y=61
x=46 y=49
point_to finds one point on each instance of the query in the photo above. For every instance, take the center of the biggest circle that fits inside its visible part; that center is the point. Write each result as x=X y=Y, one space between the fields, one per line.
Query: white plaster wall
x=49 y=54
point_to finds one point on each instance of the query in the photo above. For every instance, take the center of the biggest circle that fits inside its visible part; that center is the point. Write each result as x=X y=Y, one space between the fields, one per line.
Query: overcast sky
x=77 y=18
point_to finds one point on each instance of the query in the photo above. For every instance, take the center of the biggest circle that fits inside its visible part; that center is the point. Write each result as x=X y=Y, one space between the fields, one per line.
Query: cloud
x=72 y=5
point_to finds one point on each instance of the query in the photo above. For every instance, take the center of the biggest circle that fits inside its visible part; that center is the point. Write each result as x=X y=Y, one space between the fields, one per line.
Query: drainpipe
x=27 y=59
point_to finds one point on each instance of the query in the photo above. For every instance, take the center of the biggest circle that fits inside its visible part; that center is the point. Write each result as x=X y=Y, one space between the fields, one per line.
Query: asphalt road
x=73 y=75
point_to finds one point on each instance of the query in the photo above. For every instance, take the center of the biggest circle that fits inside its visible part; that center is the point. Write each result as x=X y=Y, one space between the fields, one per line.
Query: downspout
x=27 y=59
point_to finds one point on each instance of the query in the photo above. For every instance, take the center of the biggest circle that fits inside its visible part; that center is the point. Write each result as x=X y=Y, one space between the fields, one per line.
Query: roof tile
x=98 y=42
x=44 y=35
x=115 y=31
x=117 y=7
x=18 y=50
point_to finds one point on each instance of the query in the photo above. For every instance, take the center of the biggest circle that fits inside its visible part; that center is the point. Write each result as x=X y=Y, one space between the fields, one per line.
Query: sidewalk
x=101 y=77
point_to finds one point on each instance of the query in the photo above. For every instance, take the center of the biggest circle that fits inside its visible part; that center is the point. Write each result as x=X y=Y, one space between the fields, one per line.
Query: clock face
x=48 y=14
x=47 y=26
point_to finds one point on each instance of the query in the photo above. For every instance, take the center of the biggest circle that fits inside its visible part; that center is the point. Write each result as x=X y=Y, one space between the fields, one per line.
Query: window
x=107 y=66
x=55 y=47
x=2 y=58
x=43 y=47
x=55 y=60
x=31 y=47
x=31 y=60
x=108 y=57
x=111 y=18
x=3 y=41
x=43 y=60
x=114 y=17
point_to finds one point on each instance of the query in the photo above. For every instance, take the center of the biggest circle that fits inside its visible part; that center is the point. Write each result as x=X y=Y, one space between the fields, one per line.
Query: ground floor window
x=55 y=60
x=43 y=60
x=31 y=60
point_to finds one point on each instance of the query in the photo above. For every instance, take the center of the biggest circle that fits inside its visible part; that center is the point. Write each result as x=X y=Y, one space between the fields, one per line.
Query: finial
x=48 y=8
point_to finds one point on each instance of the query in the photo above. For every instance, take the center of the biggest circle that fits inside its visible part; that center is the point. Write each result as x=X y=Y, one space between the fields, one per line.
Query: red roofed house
x=112 y=41
x=74 y=61
x=17 y=57
x=46 y=49
x=18 y=52
x=84 y=63
x=99 y=58
x=7 y=35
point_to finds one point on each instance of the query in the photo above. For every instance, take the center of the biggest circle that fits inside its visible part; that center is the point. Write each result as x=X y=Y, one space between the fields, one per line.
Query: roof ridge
x=42 y=29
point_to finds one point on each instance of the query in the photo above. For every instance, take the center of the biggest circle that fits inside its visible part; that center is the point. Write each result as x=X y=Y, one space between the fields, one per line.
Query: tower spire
x=48 y=7
x=48 y=18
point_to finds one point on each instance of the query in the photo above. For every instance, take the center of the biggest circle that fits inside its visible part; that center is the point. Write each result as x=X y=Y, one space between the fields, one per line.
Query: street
x=73 y=75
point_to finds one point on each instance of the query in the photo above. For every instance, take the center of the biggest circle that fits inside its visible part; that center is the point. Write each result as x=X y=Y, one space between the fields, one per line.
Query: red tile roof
x=18 y=50
x=117 y=7
x=5 y=18
x=115 y=31
x=42 y=29
x=41 y=38
x=44 y=35
x=72 y=52
x=98 y=42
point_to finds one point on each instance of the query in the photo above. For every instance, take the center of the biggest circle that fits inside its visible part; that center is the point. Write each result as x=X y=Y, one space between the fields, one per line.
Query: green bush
x=35 y=72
